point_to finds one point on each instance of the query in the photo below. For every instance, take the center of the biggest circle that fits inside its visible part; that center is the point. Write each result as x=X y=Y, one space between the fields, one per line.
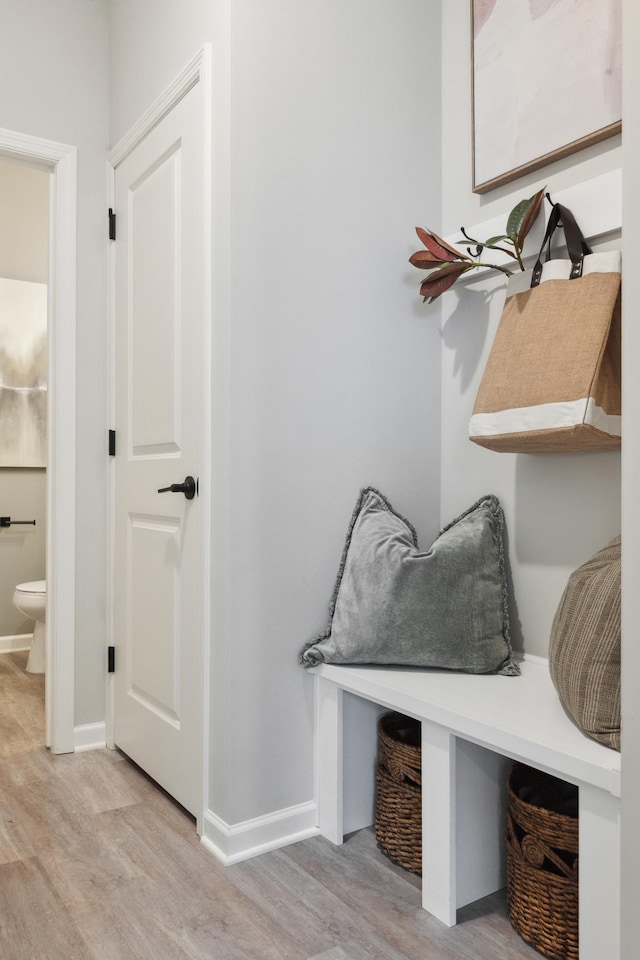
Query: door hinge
x=112 y=224
x=111 y=659
x=112 y=443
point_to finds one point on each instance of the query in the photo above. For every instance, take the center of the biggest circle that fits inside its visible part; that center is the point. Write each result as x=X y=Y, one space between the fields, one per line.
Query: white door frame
x=61 y=160
x=197 y=71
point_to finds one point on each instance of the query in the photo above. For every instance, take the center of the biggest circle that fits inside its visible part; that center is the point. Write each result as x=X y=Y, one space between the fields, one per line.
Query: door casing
x=197 y=71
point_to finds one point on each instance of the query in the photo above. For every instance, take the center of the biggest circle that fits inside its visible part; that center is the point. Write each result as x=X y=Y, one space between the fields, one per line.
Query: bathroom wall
x=24 y=246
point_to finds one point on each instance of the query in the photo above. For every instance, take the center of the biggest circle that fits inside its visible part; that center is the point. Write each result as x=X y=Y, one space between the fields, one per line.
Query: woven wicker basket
x=398 y=822
x=542 y=862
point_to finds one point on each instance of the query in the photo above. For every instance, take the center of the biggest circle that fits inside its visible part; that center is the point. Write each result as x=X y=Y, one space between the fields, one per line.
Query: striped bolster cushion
x=584 y=650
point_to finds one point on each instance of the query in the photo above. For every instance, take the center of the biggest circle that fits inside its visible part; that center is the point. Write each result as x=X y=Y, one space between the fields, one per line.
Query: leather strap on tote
x=577 y=246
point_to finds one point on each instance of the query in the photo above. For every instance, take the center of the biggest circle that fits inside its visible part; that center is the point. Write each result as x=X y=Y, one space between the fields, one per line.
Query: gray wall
x=24 y=248
x=326 y=372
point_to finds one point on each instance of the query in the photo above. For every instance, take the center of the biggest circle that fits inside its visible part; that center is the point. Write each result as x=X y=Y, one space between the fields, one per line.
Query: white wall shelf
x=596 y=204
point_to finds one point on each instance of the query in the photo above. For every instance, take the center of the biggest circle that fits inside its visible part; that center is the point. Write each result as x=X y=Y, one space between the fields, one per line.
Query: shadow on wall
x=567 y=506
x=560 y=508
x=468 y=341
x=515 y=623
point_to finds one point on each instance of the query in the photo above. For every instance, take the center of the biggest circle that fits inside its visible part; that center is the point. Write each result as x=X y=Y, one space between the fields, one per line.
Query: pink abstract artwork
x=546 y=82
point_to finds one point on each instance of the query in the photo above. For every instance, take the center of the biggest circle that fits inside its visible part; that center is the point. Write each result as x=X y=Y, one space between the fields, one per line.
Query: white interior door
x=158 y=577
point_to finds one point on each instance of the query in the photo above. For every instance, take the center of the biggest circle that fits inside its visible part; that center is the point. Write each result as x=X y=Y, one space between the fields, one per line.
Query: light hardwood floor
x=96 y=863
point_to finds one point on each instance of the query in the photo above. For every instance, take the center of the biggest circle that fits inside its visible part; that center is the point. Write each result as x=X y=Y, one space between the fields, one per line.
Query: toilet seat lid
x=34 y=586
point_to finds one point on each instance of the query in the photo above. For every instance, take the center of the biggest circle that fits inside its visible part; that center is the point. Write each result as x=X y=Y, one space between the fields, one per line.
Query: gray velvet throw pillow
x=393 y=604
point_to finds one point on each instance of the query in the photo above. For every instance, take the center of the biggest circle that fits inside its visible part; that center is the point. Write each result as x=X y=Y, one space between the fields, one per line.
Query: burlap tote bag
x=584 y=649
x=552 y=380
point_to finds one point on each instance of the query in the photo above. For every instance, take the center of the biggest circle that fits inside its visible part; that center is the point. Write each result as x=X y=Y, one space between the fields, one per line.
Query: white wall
x=327 y=371
x=559 y=509
x=54 y=56
x=460 y=205
x=24 y=255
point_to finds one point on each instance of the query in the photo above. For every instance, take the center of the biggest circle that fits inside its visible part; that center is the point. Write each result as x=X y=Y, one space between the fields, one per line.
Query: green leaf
x=524 y=215
x=531 y=216
x=493 y=240
x=516 y=218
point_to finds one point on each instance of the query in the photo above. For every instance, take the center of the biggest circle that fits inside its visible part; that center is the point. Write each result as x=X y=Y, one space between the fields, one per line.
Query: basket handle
x=400 y=771
x=536 y=851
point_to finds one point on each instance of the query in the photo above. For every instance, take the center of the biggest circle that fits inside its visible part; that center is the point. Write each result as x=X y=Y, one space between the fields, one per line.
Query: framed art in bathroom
x=23 y=373
x=546 y=82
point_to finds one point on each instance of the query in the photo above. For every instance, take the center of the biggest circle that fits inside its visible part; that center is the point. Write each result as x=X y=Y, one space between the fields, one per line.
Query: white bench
x=462 y=794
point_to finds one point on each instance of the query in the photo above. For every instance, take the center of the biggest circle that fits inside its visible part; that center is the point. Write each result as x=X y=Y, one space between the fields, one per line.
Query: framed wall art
x=23 y=373
x=546 y=82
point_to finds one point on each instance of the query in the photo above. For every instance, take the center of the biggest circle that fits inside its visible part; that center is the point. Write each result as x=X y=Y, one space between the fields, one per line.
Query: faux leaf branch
x=446 y=264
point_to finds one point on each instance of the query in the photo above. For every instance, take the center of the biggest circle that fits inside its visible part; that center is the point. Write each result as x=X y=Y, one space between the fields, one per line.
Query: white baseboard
x=89 y=736
x=16 y=644
x=240 y=841
x=531 y=658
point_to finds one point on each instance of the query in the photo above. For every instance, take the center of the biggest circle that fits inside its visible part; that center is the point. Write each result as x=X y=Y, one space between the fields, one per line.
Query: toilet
x=31 y=599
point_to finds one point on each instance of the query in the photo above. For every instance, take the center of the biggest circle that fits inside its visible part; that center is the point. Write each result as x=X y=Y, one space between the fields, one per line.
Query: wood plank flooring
x=96 y=863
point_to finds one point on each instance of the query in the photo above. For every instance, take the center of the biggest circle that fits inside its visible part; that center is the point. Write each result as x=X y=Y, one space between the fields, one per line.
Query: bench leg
x=329 y=751
x=439 y=822
x=463 y=799
x=599 y=872
x=481 y=777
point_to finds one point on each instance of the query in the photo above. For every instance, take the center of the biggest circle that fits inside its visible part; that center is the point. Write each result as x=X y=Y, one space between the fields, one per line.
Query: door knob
x=188 y=488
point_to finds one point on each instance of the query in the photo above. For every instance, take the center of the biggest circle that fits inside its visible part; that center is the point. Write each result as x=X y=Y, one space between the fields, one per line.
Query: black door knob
x=188 y=488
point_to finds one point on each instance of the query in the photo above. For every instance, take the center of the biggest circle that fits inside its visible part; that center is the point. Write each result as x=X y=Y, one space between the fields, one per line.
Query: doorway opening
x=58 y=161
x=24 y=255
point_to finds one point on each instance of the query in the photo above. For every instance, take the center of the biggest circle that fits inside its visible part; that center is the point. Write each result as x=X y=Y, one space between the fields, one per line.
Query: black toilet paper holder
x=8 y=522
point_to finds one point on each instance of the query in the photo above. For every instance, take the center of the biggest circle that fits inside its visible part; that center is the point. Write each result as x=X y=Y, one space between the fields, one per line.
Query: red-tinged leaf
x=434 y=247
x=441 y=280
x=443 y=243
x=423 y=235
x=497 y=246
x=424 y=260
x=531 y=216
